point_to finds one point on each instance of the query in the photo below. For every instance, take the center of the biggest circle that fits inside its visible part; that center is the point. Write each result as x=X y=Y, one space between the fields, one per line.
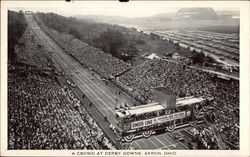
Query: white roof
x=146 y=109
x=176 y=54
x=156 y=106
x=189 y=100
x=141 y=109
x=152 y=56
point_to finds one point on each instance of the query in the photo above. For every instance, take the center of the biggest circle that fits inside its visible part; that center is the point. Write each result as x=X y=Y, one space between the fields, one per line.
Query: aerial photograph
x=126 y=79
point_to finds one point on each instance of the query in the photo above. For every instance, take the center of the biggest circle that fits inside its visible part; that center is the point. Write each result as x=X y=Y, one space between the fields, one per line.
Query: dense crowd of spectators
x=155 y=73
x=41 y=113
x=227 y=124
x=185 y=81
x=102 y=63
x=44 y=115
x=203 y=137
x=30 y=51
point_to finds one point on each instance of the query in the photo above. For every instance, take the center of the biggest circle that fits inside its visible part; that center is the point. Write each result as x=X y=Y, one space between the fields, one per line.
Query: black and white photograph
x=124 y=76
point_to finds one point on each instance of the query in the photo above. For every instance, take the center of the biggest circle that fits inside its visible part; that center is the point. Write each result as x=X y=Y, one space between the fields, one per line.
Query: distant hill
x=104 y=19
x=186 y=18
x=196 y=14
x=126 y=20
x=232 y=13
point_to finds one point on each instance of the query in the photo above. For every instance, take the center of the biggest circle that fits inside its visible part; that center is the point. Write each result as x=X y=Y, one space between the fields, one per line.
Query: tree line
x=112 y=39
x=17 y=25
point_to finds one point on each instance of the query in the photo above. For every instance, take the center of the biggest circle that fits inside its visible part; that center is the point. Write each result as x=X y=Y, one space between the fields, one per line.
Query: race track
x=103 y=96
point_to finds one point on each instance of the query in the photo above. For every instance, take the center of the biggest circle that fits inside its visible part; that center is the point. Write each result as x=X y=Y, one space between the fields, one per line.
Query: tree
x=211 y=59
x=75 y=33
x=129 y=52
x=16 y=27
x=198 y=58
x=140 y=42
x=170 y=54
x=194 y=52
x=111 y=41
x=132 y=50
x=177 y=45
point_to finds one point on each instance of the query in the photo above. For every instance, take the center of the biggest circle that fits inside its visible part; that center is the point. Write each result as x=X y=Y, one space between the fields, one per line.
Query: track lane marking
x=160 y=141
x=69 y=69
x=171 y=145
x=138 y=146
x=65 y=64
x=152 y=142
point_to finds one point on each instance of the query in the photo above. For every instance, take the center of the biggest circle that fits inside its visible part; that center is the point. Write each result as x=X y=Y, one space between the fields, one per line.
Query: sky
x=116 y=8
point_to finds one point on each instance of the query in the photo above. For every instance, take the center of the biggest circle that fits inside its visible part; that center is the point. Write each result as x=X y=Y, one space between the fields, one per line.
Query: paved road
x=162 y=141
x=103 y=96
x=100 y=94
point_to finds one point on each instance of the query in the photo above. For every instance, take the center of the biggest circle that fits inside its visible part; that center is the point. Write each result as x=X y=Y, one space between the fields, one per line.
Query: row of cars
x=226 y=45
